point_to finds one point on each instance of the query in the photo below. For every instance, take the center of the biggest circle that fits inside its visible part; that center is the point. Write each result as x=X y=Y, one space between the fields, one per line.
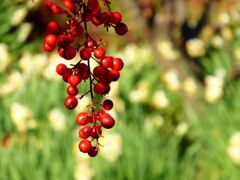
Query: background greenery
x=176 y=105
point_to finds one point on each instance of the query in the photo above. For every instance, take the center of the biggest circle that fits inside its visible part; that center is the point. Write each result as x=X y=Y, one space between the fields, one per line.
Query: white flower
x=153 y=122
x=112 y=143
x=195 y=47
x=189 y=86
x=140 y=95
x=57 y=119
x=20 y=115
x=24 y=31
x=160 y=100
x=171 y=79
x=167 y=51
x=214 y=88
x=19 y=16
x=181 y=129
x=4 y=57
x=233 y=149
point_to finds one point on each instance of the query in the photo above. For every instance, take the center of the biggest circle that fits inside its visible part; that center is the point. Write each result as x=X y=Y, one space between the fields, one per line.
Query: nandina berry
x=106 y=17
x=76 y=29
x=64 y=40
x=113 y=75
x=67 y=72
x=72 y=90
x=92 y=4
x=52 y=27
x=90 y=43
x=69 y=53
x=61 y=68
x=96 y=132
x=51 y=40
x=85 y=132
x=117 y=64
x=97 y=19
x=121 y=29
x=99 y=88
x=70 y=5
x=81 y=119
x=47 y=47
x=55 y=9
x=116 y=17
x=107 y=104
x=100 y=72
x=86 y=53
x=85 y=146
x=70 y=102
x=107 y=62
x=93 y=151
x=107 y=121
x=82 y=71
x=90 y=118
x=99 y=53
x=74 y=80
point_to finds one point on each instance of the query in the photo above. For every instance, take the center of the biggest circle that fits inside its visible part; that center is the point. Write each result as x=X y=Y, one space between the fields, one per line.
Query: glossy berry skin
x=67 y=72
x=51 y=40
x=117 y=64
x=61 y=68
x=47 y=47
x=52 y=27
x=107 y=121
x=82 y=119
x=74 y=80
x=93 y=151
x=86 y=53
x=99 y=53
x=64 y=40
x=70 y=102
x=82 y=71
x=69 y=53
x=116 y=17
x=100 y=72
x=85 y=146
x=85 y=132
x=121 y=29
x=113 y=75
x=96 y=132
x=107 y=62
x=72 y=90
x=99 y=88
x=107 y=104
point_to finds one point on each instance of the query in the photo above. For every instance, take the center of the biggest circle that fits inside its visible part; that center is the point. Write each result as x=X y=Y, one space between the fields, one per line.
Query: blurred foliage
x=176 y=105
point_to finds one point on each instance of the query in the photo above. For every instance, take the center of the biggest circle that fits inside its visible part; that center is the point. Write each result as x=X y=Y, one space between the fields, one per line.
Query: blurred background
x=177 y=103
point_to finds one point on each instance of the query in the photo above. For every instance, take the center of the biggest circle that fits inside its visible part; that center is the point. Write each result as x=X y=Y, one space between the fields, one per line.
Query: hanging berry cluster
x=75 y=39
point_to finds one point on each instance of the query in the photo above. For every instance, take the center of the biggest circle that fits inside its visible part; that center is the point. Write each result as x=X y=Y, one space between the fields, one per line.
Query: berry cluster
x=75 y=39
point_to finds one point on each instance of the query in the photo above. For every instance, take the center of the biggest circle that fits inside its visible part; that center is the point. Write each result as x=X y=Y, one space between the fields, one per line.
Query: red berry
x=99 y=53
x=81 y=119
x=61 y=68
x=72 y=90
x=70 y=102
x=86 y=53
x=121 y=29
x=85 y=132
x=76 y=29
x=70 y=5
x=52 y=27
x=113 y=75
x=93 y=151
x=106 y=17
x=107 y=104
x=82 y=71
x=100 y=72
x=90 y=43
x=47 y=47
x=67 y=53
x=51 y=40
x=99 y=88
x=85 y=146
x=64 y=40
x=55 y=9
x=96 y=132
x=107 y=121
x=97 y=19
x=67 y=72
x=74 y=80
x=92 y=4
x=117 y=64
x=116 y=17
x=107 y=62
